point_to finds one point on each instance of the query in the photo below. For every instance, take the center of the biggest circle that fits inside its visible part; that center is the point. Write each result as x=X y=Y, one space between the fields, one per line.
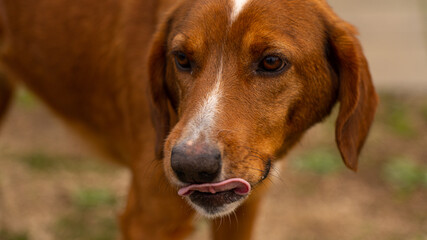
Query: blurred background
x=52 y=187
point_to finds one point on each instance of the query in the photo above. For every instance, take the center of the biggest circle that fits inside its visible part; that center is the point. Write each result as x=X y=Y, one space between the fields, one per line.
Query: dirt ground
x=52 y=187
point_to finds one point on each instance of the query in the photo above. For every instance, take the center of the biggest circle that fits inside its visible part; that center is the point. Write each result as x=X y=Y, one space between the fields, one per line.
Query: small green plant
x=8 y=235
x=26 y=99
x=43 y=162
x=404 y=175
x=85 y=226
x=88 y=218
x=400 y=123
x=396 y=116
x=93 y=198
x=39 y=161
x=320 y=161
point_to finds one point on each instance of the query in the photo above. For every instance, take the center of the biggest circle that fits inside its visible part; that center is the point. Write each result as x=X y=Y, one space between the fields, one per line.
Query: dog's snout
x=196 y=163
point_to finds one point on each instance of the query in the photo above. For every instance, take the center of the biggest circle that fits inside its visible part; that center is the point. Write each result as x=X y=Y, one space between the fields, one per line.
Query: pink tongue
x=239 y=186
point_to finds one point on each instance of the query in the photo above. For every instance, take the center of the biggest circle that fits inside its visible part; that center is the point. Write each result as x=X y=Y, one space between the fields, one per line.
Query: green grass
x=420 y=237
x=40 y=161
x=25 y=99
x=43 y=162
x=399 y=123
x=321 y=161
x=7 y=235
x=402 y=174
x=396 y=116
x=92 y=198
x=85 y=226
x=424 y=112
x=90 y=216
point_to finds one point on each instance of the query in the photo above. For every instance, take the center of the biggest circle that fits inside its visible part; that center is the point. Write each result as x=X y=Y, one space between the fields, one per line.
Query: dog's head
x=235 y=83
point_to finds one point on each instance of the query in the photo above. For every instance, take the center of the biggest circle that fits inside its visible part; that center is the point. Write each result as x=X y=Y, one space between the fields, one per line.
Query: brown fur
x=86 y=60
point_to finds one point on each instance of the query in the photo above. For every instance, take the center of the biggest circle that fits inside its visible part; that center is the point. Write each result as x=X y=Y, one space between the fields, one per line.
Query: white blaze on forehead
x=204 y=119
x=237 y=8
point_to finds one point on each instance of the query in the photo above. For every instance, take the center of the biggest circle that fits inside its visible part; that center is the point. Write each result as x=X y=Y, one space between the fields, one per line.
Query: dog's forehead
x=206 y=23
x=237 y=6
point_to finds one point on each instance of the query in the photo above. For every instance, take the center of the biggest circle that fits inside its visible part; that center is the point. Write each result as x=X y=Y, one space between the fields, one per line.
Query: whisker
x=220 y=223
x=271 y=181
x=256 y=157
x=256 y=169
x=276 y=173
x=197 y=218
x=229 y=219
x=235 y=217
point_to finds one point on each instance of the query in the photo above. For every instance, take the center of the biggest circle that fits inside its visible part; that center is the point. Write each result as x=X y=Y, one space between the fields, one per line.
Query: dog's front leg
x=154 y=210
x=240 y=226
x=6 y=93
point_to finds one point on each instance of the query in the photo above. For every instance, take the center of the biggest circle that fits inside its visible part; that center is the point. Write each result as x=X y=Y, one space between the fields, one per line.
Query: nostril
x=217 y=155
x=176 y=161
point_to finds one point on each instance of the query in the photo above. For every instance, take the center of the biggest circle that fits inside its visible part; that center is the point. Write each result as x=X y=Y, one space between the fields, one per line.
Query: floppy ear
x=157 y=92
x=357 y=96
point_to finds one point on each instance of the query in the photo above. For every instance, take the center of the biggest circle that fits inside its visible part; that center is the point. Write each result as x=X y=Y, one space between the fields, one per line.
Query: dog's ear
x=357 y=96
x=157 y=92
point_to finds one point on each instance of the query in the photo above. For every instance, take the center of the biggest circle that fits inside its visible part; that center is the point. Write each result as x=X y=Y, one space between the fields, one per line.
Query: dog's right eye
x=182 y=61
x=271 y=64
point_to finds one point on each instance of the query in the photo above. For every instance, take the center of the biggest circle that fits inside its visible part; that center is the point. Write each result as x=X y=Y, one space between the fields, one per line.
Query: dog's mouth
x=214 y=198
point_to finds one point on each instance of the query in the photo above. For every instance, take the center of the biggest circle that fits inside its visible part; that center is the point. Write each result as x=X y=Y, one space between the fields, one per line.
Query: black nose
x=196 y=163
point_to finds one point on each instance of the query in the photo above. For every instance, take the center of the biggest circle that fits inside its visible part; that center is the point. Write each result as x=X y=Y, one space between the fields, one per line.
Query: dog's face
x=243 y=81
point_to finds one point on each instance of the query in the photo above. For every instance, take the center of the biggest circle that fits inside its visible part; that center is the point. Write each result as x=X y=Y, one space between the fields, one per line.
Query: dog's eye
x=182 y=61
x=271 y=63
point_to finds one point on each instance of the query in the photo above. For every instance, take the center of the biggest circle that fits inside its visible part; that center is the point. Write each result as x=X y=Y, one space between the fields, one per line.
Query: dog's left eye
x=182 y=61
x=271 y=64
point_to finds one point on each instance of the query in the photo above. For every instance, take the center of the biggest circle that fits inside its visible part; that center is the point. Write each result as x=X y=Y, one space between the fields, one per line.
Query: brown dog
x=232 y=85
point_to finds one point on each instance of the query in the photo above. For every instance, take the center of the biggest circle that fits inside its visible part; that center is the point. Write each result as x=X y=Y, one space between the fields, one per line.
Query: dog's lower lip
x=211 y=202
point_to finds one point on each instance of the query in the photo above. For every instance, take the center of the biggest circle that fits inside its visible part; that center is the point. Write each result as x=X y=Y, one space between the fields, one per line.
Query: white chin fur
x=223 y=211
